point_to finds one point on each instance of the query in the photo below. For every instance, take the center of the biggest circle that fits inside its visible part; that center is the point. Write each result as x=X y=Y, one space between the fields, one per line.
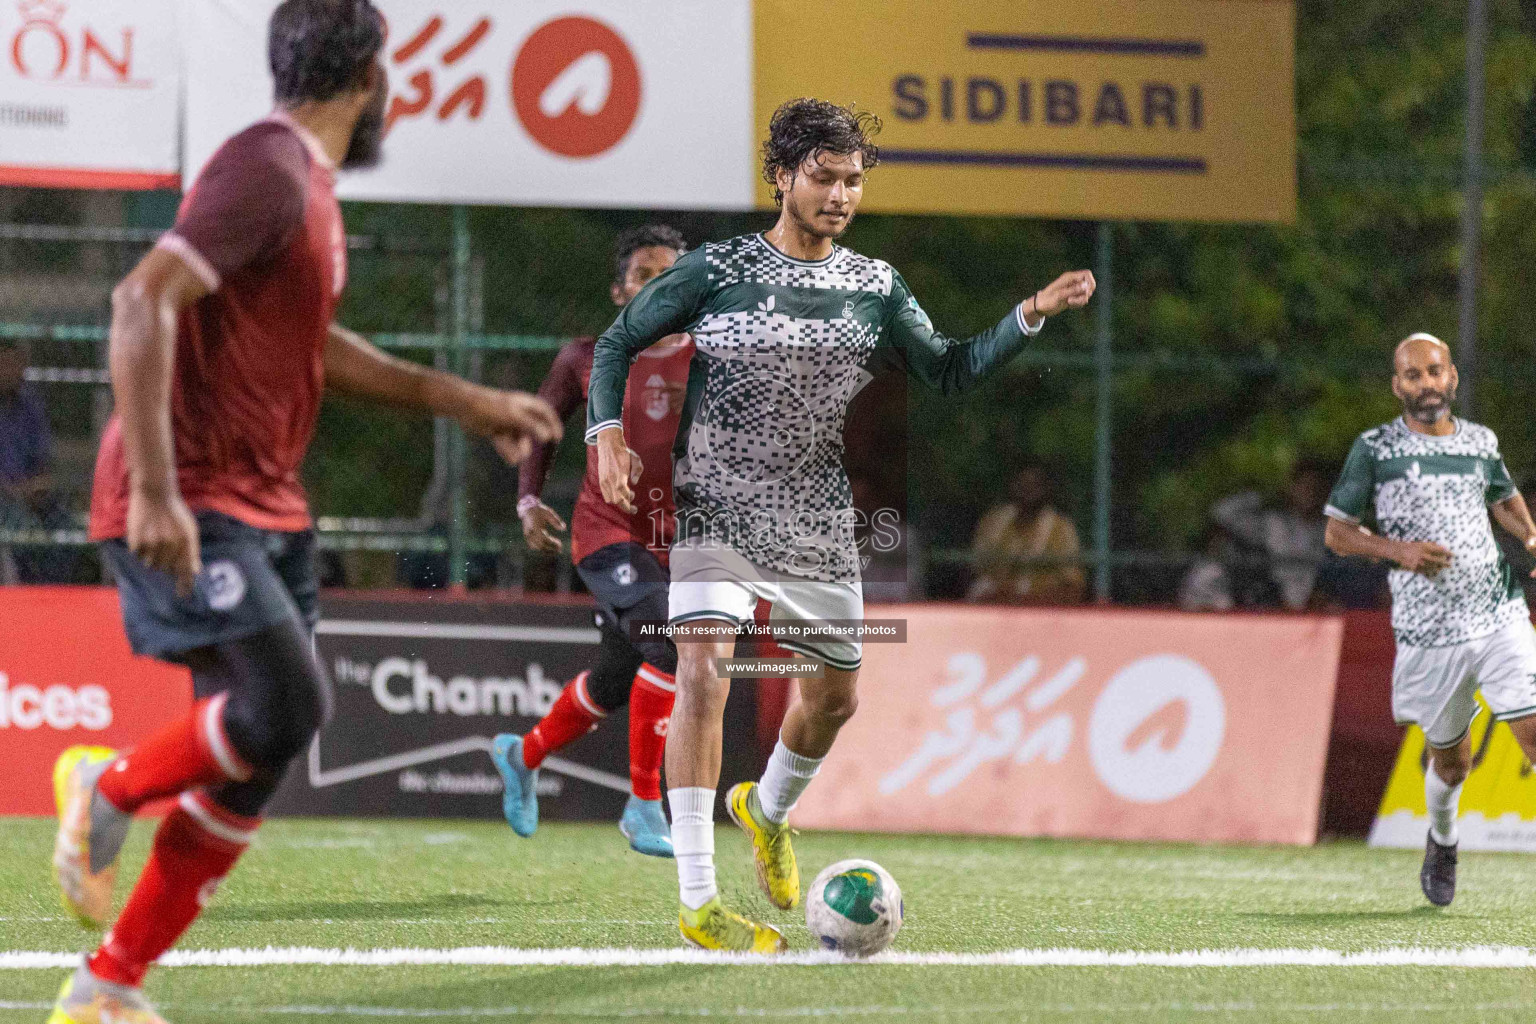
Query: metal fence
x=462 y=530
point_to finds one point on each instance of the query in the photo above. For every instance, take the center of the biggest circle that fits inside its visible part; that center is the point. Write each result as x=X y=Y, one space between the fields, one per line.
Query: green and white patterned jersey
x=782 y=346
x=1436 y=489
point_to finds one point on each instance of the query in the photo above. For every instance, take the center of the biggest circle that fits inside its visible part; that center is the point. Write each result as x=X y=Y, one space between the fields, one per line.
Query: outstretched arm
x=1514 y=516
x=513 y=420
x=950 y=366
x=671 y=303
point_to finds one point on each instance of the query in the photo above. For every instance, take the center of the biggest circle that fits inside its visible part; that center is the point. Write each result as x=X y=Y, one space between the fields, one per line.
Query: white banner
x=88 y=93
x=521 y=102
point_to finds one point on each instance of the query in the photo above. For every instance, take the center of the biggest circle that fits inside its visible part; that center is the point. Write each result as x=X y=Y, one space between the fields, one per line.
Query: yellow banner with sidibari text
x=1100 y=110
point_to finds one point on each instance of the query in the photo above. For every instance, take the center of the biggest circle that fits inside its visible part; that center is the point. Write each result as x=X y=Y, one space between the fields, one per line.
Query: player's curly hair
x=643 y=237
x=318 y=49
x=805 y=127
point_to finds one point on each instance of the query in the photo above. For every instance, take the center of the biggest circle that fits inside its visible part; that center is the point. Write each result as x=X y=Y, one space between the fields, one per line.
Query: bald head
x=1418 y=346
x=1424 y=378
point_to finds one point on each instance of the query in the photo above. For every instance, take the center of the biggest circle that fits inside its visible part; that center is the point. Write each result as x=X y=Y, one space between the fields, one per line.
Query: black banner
x=423 y=685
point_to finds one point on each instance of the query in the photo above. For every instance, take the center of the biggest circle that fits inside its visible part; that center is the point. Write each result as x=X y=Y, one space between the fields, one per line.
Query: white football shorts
x=713 y=581
x=1435 y=688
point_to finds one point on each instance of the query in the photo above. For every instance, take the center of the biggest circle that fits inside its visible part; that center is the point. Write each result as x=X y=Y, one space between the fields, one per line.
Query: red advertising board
x=66 y=677
x=1105 y=724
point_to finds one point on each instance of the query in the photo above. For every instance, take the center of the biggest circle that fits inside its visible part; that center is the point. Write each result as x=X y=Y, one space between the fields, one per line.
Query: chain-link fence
x=1121 y=437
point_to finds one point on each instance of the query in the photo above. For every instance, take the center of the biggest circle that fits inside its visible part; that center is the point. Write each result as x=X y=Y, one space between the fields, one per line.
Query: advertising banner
x=89 y=94
x=1498 y=800
x=1147 y=109
x=1101 y=724
x=532 y=103
x=422 y=686
x=67 y=677
x=1116 y=109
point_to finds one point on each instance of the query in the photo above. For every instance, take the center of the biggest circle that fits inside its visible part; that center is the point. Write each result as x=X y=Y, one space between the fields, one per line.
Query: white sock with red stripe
x=194 y=848
x=693 y=843
x=650 y=712
x=785 y=778
x=190 y=752
x=574 y=715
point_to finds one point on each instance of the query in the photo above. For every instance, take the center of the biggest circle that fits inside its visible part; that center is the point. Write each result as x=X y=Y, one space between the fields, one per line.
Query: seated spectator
x=27 y=497
x=1024 y=551
x=1287 y=537
x=1207 y=585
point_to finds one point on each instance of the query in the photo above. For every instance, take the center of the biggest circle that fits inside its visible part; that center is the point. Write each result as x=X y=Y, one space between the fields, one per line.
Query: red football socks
x=194 y=848
x=191 y=752
x=650 y=710
x=573 y=716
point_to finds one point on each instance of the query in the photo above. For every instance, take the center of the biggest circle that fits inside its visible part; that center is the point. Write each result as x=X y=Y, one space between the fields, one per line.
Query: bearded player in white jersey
x=1458 y=613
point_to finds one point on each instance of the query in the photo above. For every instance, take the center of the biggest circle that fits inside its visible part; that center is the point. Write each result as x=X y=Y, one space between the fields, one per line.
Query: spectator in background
x=27 y=498
x=1284 y=541
x=1207 y=586
x=1024 y=551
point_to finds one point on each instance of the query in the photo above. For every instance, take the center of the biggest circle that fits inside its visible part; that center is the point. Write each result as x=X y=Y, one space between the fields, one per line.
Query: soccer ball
x=854 y=907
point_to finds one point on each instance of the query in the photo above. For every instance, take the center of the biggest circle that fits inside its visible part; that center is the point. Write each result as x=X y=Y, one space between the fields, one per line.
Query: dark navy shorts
x=251 y=581
x=624 y=579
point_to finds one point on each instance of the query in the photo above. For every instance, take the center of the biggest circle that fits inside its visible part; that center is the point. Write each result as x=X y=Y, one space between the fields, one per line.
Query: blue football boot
x=520 y=801
x=646 y=828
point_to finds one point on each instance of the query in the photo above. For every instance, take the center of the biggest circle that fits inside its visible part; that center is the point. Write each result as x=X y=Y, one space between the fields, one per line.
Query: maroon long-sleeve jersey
x=653 y=403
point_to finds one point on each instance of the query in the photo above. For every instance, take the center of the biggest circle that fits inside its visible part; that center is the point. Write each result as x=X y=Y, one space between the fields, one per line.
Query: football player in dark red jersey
x=221 y=346
x=622 y=558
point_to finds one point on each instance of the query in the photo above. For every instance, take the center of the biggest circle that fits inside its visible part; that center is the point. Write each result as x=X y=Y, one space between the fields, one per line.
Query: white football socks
x=1442 y=801
x=693 y=843
x=784 y=780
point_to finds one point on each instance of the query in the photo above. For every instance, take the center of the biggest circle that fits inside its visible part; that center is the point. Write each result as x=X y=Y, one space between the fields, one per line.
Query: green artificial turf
x=443 y=884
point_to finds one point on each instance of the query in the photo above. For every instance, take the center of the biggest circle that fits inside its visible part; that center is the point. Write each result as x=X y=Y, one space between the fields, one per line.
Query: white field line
x=1503 y=957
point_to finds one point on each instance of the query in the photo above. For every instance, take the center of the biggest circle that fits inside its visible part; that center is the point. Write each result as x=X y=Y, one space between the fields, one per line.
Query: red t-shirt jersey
x=261 y=227
x=653 y=404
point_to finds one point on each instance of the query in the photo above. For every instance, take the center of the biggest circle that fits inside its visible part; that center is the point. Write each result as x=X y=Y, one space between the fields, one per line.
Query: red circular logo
x=576 y=87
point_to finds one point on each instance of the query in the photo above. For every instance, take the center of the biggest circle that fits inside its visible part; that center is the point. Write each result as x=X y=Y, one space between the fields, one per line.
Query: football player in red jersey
x=622 y=558
x=221 y=345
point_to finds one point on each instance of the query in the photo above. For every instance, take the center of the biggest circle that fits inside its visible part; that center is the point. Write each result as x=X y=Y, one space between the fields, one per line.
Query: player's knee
x=1450 y=766
x=269 y=727
x=835 y=708
x=660 y=655
x=608 y=685
x=699 y=689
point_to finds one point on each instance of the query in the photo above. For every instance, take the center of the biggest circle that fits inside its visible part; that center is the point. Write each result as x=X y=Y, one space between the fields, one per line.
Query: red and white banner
x=89 y=94
x=67 y=677
x=521 y=102
x=1104 y=724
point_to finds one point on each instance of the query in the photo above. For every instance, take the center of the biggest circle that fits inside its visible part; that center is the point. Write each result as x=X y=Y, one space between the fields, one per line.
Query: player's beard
x=366 y=147
x=1429 y=406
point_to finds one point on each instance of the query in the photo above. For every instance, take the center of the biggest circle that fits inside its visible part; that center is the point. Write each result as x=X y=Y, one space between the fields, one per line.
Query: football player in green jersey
x=786 y=325
x=1459 y=616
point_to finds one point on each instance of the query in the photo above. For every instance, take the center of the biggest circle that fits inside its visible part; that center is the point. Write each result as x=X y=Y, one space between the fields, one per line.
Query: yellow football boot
x=86 y=999
x=772 y=853
x=91 y=833
x=714 y=927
